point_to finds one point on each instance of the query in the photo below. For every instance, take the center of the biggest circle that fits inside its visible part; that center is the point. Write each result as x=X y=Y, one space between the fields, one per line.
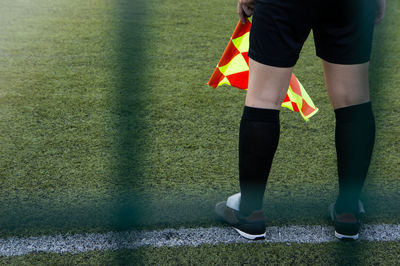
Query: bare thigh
x=346 y=84
x=268 y=85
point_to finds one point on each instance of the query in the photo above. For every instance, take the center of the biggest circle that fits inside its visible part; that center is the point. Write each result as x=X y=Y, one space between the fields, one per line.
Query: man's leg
x=259 y=131
x=348 y=91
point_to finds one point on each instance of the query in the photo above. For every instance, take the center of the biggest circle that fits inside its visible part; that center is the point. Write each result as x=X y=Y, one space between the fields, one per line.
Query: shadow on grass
x=347 y=253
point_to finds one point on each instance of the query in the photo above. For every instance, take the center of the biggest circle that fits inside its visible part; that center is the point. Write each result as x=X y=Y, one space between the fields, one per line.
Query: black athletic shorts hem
x=271 y=61
x=342 y=61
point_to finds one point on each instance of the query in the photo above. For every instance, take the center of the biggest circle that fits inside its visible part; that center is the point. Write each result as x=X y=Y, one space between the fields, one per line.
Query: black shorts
x=342 y=30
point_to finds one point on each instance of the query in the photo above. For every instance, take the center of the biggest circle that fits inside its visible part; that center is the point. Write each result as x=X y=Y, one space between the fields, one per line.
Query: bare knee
x=264 y=98
x=346 y=97
x=267 y=85
x=346 y=84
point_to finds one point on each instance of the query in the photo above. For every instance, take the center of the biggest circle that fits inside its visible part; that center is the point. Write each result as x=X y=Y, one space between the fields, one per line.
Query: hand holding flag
x=245 y=9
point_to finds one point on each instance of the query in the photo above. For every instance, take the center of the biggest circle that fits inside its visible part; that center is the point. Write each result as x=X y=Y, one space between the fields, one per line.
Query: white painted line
x=78 y=243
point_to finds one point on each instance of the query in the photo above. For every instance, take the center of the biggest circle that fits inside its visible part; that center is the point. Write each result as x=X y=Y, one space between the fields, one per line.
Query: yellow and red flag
x=233 y=69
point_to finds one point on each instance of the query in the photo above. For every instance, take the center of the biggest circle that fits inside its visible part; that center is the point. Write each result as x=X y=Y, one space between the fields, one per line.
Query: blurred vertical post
x=131 y=85
x=380 y=90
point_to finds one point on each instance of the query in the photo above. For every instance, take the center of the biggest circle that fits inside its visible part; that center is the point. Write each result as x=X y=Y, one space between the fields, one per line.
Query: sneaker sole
x=220 y=216
x=251 y=237
x=341 y=236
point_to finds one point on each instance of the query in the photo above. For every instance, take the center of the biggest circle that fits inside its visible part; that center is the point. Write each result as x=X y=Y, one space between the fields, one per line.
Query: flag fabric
x=233 y=70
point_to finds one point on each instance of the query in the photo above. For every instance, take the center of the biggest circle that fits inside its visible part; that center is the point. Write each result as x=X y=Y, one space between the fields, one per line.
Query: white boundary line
x=15 y=246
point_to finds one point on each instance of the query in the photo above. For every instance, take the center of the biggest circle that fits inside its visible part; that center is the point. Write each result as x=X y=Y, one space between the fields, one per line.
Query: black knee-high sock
x=258 y=140
x=354 y=136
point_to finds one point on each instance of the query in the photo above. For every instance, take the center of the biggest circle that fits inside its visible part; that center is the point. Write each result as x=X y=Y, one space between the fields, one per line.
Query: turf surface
x=338 y=253
x=106 y=122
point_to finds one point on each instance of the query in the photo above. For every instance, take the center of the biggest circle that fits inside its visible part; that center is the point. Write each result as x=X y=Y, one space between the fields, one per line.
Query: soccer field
x=106 y=124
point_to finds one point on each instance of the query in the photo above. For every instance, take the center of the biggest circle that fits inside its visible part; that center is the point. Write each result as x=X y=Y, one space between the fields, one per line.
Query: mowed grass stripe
x=183 y=237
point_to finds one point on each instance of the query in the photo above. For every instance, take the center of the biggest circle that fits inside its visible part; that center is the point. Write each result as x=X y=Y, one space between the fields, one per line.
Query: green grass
x=339 y=253
x=107 y=124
